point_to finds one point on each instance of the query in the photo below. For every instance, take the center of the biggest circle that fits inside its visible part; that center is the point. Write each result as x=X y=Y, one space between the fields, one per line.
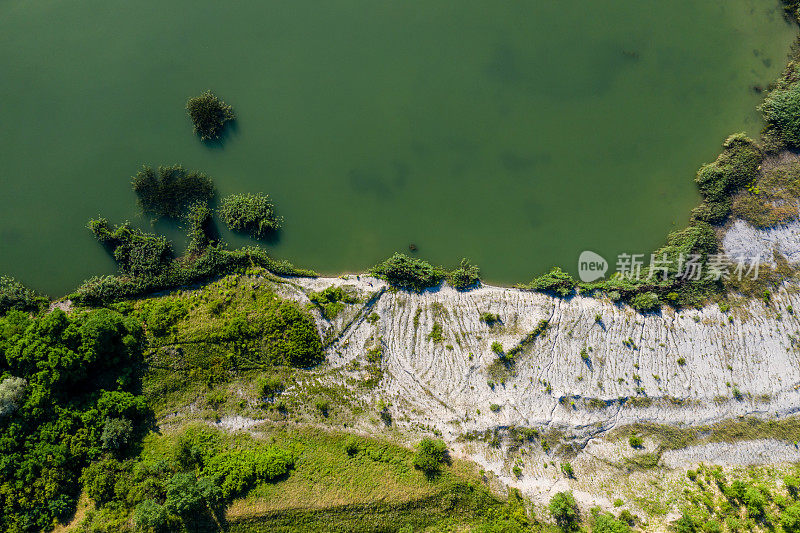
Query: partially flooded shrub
x=170 y=191
x=209 y=115
x=250 y=213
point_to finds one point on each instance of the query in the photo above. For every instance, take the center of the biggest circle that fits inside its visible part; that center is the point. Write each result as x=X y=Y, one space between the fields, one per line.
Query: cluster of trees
x=417 y=275
x=67 y=396
x=186 y=486
x=717 y=503
x=170 y=191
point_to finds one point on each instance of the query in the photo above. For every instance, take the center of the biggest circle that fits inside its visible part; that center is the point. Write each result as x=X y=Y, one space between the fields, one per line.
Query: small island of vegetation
x=250 y=213
x=209 y=115
x=170 y=191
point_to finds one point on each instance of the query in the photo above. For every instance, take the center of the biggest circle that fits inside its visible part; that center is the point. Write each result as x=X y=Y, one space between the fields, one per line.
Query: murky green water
x=516 y=133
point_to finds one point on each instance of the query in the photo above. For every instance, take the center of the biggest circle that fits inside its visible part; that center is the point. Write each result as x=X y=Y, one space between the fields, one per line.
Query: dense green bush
x=565 y=511
x=200 y=227
x=430 y=455
x=781 y=111
x=606 y=523
x=137 y=253
x=250 y=213
x=209 y=115
x=151 y=517
x=332 y=300
x=79 y=373
x=14 y=295
x=556 y=282
x=171 y=191
x=465 y=276
x=697 y=239
x=408 y=273
x=646 y=302
x=237 y=471
x=737 y=166
x=179 y=482
x=116 y=433
x=790 y=519
x=231 y=326
x=213 y=262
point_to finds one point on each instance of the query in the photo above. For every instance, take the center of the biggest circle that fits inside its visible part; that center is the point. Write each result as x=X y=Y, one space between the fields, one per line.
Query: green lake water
x=516 y=133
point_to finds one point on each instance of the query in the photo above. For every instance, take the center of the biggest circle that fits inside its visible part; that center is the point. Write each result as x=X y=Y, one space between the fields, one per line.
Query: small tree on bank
x=430 y=455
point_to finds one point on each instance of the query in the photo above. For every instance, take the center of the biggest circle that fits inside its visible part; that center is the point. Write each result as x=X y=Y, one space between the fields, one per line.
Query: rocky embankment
x=598 y=364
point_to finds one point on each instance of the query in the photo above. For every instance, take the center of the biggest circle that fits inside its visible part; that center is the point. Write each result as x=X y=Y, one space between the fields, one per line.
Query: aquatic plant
x=170 y=191
x=209 y=115
x=137 y=253
x=200 y=227
x=251 y=213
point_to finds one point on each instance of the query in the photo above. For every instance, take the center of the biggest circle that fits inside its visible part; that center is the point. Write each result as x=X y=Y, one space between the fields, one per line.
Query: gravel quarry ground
x=684 y=367
x=597 y=368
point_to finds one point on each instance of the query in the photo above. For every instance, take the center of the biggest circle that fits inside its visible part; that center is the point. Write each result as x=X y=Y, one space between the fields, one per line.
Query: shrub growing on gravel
x=646 y=302
x=408 y=273
x=555 y=282
x=250 y=213
x=209 y=115
x=465 y=276
x=489 y=319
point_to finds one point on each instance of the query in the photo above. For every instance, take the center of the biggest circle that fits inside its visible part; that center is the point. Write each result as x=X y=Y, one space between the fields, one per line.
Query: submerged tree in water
x=251 y=213
x=170 y=191
x=209 y=115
